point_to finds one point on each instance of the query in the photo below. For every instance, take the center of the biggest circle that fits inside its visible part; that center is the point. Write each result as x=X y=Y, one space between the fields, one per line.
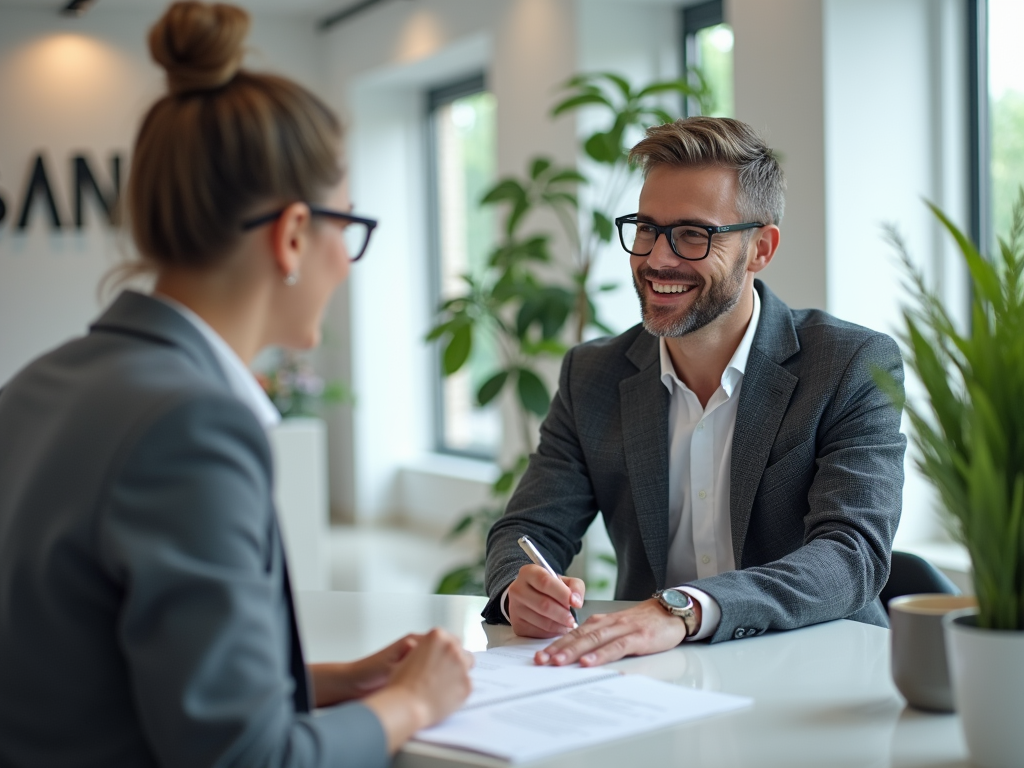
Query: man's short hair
x=720 y=141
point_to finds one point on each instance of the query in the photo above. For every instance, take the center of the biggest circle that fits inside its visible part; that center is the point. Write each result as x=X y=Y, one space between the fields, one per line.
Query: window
x=1005 y=118
x=707 y=44
x=461 y=129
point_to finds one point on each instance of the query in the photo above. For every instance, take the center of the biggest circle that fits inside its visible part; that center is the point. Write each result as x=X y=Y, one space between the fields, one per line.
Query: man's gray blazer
x=816 y=478
x=145 y=614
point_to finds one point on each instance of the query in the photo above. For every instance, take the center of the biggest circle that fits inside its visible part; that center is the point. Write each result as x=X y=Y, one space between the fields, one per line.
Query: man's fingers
x=645 y=628
x=594 y=633
x=577 y=588
x=533 y=591
x=529 y=622
x=539 y=579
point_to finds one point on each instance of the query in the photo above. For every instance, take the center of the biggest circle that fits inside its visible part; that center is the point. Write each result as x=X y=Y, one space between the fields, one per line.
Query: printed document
x=520 y=712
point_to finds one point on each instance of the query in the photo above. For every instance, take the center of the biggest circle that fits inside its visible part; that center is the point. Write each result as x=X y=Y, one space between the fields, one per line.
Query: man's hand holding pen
x=539 y=602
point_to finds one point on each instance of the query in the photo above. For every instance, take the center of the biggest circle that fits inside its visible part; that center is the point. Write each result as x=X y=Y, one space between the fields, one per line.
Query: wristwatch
x=680 y=604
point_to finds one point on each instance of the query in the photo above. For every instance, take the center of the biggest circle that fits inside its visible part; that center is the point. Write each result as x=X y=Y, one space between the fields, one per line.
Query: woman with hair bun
x=145 y=611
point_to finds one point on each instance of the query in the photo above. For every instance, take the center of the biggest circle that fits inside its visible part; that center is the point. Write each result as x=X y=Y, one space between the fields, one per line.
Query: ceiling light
x=77 y=7
x=346 y=13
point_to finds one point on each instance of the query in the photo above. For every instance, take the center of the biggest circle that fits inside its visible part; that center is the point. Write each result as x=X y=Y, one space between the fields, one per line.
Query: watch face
x=675 y=598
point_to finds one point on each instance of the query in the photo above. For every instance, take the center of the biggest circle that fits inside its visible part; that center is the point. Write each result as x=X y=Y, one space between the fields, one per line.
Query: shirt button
x=705 y=559
x=703 y=494
x=700 y=427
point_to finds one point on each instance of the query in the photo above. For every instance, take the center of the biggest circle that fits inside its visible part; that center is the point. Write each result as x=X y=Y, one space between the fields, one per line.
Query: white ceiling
x=297 y=7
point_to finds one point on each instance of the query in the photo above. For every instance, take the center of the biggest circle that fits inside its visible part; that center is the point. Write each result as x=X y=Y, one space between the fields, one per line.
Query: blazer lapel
x=644 y=403
x=764 y=398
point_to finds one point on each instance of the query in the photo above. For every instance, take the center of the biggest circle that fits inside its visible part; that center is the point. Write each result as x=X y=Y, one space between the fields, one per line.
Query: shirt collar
x=241 y=380
x=733 y=373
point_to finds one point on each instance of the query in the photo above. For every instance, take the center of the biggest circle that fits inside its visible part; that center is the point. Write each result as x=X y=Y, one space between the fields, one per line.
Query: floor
x=392 y=560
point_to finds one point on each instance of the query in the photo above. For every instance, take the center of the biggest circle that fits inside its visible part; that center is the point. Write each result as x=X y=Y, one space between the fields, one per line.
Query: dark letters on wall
x=38 y=195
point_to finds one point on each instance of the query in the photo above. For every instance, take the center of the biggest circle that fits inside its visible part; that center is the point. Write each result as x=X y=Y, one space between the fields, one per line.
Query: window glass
x=463 y=135
x=713 y=49
x=1006 y=110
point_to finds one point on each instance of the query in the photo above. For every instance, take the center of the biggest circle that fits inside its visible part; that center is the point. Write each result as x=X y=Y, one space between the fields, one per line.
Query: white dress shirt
x=241 y=380
x=699 y=464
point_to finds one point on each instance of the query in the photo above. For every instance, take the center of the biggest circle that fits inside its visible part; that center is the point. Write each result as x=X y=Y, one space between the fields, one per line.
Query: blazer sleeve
x=186 y=535
x=554 y=503
x=854 y=506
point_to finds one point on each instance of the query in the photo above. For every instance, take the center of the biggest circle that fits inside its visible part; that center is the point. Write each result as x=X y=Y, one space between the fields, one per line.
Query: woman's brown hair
x=222 y=143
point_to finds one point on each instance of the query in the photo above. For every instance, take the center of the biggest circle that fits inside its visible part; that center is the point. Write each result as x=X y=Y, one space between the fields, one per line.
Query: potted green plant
x=969 y=435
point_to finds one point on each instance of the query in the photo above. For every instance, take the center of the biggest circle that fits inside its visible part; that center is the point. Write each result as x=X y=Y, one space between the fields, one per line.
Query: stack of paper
x=520 y=712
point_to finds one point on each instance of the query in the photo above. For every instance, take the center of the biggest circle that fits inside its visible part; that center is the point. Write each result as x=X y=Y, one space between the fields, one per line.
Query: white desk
x=823 y=695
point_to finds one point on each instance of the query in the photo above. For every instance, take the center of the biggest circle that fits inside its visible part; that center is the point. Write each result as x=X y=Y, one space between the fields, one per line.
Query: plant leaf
x=504 y=483
x=603 y=226
x=505 y=190
x=575 y=102
x=458 y=349
x=568 y=175
x=539 y=165
x=602 y=148
x=490 y=388
x=532 y=392
x=621 y=82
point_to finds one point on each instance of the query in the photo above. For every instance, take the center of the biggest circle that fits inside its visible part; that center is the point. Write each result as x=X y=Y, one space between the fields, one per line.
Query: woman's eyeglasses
x=357 y=230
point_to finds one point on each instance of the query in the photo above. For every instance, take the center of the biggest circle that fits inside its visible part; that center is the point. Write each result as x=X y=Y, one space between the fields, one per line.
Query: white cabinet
x=299 y=446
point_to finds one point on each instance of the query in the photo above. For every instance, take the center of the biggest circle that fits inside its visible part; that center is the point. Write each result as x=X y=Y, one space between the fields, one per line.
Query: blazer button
x=740 y=632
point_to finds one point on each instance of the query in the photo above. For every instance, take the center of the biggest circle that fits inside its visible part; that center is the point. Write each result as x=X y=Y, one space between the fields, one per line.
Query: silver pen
x=538 y=559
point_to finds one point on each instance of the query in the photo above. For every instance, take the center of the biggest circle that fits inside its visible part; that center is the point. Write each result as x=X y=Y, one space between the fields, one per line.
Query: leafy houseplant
x=970 y=439
x=970 y=434
x=530 y=303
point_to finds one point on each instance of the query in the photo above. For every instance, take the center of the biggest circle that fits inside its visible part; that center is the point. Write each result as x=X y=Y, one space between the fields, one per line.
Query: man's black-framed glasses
x=688 y=241
x=357 y=229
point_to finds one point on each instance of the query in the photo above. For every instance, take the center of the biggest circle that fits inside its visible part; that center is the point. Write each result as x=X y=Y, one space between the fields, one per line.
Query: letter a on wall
x=38 y=185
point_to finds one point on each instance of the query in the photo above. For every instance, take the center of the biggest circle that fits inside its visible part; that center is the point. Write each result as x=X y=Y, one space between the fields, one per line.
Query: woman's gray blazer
x=145 y=612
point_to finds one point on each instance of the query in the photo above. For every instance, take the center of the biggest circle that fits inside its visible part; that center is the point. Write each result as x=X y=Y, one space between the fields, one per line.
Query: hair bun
x=200 y=45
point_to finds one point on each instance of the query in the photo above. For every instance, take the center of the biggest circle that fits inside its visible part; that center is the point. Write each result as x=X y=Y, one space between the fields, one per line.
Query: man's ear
x=763 y=248
x=289 y=237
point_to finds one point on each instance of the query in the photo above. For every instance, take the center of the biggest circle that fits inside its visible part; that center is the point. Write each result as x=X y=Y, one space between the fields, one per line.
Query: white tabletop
x=823 y=695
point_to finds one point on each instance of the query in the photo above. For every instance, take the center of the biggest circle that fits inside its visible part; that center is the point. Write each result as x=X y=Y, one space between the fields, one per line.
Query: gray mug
x=919 y=651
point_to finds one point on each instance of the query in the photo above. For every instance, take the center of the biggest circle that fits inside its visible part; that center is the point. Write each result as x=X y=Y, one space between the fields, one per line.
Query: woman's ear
x=289 y=240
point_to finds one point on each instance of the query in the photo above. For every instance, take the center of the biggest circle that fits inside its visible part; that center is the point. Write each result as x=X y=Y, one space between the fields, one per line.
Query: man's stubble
x=723 y=296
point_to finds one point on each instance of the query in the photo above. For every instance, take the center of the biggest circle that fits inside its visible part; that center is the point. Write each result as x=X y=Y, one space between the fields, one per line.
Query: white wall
x=895 y=136
x=82 y=85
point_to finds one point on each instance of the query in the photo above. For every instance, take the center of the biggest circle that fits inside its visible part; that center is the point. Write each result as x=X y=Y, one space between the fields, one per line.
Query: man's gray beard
x=720 y=299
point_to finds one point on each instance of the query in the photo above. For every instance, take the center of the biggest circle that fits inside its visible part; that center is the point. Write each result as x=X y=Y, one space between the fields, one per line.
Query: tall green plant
x=531 y=303
x=970 y=431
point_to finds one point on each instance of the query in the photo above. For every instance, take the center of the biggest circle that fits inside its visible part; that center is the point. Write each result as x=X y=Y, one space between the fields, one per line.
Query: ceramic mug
x=919 y=666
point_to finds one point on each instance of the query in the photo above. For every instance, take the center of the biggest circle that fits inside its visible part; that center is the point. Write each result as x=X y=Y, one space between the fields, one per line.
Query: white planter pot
x=987 y=672
x=300 y=490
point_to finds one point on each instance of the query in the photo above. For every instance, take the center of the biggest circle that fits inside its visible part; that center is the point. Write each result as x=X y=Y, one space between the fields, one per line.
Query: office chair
x=911 y=575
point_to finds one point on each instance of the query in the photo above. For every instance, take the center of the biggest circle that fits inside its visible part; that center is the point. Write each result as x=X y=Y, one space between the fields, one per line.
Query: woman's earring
x=291 y=279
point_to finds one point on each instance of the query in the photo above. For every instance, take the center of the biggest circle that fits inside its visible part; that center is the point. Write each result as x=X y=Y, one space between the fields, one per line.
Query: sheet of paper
x=559 y=721
x=499 y=678
x=518 y=652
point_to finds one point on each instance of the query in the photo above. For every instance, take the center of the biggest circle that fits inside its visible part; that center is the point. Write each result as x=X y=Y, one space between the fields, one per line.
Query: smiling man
x=748 y=469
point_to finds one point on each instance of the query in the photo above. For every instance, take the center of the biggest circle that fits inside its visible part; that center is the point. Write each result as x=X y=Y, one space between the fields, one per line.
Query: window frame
x=437 y=97
x=694 y=18
x=979 y=149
